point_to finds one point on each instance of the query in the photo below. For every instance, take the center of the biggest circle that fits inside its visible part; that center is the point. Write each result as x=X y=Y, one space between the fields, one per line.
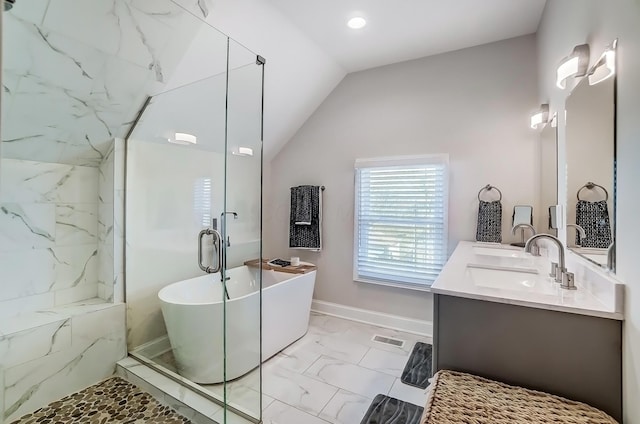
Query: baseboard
x=394 y=322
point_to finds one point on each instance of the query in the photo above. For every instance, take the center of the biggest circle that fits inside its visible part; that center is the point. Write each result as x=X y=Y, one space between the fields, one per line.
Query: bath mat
x=417 y=372
x=388 y=410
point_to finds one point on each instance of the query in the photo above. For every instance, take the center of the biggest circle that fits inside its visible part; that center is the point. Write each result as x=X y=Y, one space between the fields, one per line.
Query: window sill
x=426 y=289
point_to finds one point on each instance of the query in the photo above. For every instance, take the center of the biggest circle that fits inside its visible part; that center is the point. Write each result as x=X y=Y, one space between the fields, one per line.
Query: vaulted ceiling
x=75 y=73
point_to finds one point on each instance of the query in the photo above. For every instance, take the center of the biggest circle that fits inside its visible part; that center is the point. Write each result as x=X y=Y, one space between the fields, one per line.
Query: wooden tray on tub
x=300 y=269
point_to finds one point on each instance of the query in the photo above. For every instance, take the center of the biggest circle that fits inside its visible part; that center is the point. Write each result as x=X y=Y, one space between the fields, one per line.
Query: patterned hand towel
x=593 y=217
x=302 y=204
x=307 y=237
x=489 y=227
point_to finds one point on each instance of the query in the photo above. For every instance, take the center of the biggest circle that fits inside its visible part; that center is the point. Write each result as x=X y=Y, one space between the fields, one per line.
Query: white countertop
x=468 y=274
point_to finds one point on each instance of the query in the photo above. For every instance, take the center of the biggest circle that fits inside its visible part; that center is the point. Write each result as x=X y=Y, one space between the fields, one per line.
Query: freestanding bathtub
x=193 y=314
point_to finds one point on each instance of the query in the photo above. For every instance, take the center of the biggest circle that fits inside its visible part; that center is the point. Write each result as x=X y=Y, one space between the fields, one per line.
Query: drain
x=387 y=340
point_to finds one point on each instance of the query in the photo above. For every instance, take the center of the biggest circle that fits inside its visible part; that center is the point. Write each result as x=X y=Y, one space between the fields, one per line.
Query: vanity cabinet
x=571 y=355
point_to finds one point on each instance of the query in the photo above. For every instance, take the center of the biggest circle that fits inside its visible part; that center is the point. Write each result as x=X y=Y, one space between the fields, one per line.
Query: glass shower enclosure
x=193 y=227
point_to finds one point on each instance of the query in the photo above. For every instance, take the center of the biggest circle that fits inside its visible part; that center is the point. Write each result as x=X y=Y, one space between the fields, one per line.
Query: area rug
x=417 y=371
x=388 y=410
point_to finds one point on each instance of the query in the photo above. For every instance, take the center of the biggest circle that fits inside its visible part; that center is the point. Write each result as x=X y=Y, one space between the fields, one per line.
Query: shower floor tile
x=111 y=401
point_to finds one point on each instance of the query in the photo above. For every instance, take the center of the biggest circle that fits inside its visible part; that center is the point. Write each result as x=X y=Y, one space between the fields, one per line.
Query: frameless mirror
x=546 y=219
x=590 y=143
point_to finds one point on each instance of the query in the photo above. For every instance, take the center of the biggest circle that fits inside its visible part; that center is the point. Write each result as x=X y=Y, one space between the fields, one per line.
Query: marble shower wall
x=48 y=235
x=110 y=219
x=48 y=355
x=76 y=72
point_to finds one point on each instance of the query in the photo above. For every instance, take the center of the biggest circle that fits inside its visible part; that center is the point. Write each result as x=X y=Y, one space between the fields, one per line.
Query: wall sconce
x=541 y=117
x=574 y=65
x=605 y=67
x=183 y=139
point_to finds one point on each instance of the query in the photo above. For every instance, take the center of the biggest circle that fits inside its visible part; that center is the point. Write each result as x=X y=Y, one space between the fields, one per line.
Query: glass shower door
x=193 y=232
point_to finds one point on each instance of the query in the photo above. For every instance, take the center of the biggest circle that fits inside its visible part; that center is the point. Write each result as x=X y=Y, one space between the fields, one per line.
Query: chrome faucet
x=558 y=270
x=533 y=233
x=580 y=231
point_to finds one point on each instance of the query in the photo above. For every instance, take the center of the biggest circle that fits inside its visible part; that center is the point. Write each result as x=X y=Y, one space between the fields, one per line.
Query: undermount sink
x=522 y=280
x=496 y=251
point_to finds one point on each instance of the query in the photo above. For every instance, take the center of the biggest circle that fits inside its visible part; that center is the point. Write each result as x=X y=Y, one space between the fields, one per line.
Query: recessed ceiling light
x=357 y=22
x=183 y=139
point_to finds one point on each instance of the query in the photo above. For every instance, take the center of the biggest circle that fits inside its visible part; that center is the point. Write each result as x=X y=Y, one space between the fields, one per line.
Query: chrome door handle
x=217 y=245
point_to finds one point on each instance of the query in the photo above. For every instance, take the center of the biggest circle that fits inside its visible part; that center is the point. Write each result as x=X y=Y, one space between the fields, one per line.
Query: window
x=401 y=220
x=202 y=201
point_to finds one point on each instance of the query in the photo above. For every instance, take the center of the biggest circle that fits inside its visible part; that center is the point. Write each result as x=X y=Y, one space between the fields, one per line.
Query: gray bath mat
x=388 y=410
x=417 y=372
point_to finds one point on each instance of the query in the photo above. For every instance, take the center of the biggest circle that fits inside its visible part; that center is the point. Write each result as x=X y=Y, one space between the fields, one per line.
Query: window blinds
x=401 y=220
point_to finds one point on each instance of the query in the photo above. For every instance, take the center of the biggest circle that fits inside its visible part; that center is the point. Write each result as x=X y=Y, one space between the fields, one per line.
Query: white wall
x=164 y=219
x=473 y=104
x=298 y=75
x=565 y=24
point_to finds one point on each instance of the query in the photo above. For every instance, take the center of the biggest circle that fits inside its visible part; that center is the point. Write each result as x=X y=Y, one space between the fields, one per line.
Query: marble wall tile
x=26 y=226
x=75 y=294
x=25 y=273
x=76 y=223
x=113 y=27
x=98 y=342
x=39 y=182
x=27 y=345
x=10 y=308
x=32 y=11
x=75 y=265
x=200 y=8
x=38 y=256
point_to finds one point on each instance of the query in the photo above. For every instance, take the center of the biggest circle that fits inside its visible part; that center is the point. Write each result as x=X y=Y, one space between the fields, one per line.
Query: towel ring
x=590 y=186
x=489 y=187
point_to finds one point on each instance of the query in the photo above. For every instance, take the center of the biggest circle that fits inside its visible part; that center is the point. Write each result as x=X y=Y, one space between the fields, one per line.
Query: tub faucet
x=579 y=230
x=224 y=222
x=524 y=226
x=558 y=270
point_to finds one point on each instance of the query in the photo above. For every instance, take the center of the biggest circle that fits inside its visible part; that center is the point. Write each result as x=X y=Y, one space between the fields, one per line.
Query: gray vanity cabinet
x=575 y=356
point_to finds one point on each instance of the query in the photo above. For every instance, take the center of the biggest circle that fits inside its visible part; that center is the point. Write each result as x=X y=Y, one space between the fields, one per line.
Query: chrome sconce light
x=574 y=65
x=605 y=67
x=541 y=117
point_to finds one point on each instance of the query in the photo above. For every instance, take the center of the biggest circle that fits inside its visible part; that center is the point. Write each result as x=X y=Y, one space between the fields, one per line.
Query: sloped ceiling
x=75 y=72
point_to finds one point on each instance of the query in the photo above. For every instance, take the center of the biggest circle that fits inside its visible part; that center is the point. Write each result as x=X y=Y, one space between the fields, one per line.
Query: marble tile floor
x=331 y=375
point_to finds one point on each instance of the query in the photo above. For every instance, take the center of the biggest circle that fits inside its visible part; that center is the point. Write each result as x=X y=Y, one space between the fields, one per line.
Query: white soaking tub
x=193 y=314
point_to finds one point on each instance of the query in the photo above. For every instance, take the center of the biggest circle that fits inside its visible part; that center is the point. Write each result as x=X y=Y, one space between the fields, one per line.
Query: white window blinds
x=401 y=220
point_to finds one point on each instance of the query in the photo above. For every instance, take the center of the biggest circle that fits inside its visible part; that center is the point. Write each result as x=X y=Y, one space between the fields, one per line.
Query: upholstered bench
x=457 y=398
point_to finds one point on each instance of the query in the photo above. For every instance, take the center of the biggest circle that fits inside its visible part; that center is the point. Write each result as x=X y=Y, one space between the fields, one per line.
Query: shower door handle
x=217 y=245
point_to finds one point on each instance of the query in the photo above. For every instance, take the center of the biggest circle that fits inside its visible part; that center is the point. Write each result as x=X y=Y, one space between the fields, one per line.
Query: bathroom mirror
x=545 y=219
x=590 y=143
